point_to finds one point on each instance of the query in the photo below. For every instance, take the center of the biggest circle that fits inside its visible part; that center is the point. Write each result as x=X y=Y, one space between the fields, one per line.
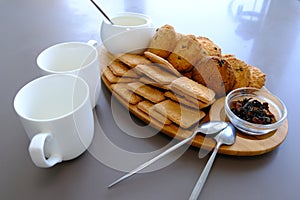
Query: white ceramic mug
x=57 y=115
x=77 y=58
x=130 y=33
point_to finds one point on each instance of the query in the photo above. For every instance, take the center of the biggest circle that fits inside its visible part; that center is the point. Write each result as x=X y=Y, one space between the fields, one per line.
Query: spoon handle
x=103 y=13
x=142 y=166
x=200 y=183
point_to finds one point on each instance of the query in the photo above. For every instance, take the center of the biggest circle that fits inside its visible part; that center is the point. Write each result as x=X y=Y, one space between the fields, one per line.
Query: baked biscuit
x=180 y=115
x=215 y=73
x=189 y=102
x=211 y=48
x=156 y=73
x=193 y=89
x=122 y=90
x=241 y=71
x=228 y=55
x=148 y=81
x=257 y=77
x=164 y=41
x=147 y=107
x=187 y=53
x=108 y=74
x=164 y=63
x=253 y=75
x=188 y=74
x=200 y=103
x=120 y=69
x=133 y=60
x=146 y=91
x=180 y=99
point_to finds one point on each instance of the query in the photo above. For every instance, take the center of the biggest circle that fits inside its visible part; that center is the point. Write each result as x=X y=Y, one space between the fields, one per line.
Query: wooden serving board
x=245 y=145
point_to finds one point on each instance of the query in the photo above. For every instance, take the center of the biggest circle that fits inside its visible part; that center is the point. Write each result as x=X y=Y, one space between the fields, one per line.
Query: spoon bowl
x=226 y=136
x=211 y=127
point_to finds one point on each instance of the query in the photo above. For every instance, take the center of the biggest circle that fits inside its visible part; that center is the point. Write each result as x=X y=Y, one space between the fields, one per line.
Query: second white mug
x=76 y=58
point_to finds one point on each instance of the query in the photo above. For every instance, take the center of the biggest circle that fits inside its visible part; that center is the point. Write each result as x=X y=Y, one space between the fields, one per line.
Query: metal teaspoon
x=102 y=12
x=207 y=128
x=226 y=136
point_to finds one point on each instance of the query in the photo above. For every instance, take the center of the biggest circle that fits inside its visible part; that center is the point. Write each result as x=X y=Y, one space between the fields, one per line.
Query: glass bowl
x=276 y=107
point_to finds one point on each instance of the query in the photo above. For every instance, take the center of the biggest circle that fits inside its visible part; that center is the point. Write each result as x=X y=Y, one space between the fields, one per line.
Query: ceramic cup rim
x=133 y=14
x=27 y=86
x=59 y=45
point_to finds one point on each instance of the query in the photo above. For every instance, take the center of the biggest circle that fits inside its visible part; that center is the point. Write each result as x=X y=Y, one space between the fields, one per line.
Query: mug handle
x=37 y=154
x=93 y=43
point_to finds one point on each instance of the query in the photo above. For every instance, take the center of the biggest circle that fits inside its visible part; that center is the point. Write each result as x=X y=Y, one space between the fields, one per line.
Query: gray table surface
x=264 y=33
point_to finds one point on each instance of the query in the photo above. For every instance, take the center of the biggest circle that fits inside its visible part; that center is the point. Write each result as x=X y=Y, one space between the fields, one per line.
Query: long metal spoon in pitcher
x=226 y=136
x=102 y=12
x=205 y=128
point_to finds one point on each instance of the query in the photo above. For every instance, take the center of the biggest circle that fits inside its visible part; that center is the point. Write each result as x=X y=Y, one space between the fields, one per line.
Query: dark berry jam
x=253 y=111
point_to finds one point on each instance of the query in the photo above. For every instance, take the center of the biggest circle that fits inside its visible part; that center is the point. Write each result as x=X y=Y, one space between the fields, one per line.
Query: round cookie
x=164 y=41
x=241 y=71
x=215 y=73
x=257 y=77
x=211 y=48
x=187 y=53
